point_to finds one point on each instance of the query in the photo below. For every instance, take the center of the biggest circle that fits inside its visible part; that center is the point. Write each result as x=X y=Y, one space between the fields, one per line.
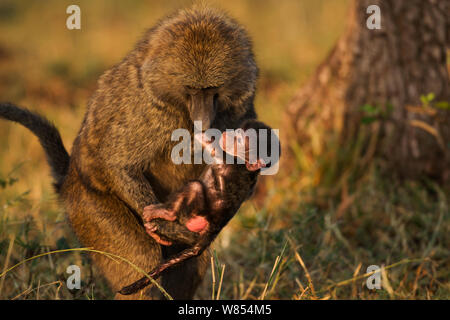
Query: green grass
x=386 y=223
x=337 y=215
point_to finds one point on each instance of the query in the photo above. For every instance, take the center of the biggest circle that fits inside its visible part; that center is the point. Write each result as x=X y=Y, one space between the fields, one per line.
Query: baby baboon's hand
x=239 y=146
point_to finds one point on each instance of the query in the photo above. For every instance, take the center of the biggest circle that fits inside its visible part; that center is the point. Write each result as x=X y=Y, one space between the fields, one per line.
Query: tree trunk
x=372 y=83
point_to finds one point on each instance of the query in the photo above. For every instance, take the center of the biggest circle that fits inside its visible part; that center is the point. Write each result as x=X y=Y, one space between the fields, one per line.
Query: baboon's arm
x=175 y=232
x=183 y=206
x=137 y=193
x=133 y=188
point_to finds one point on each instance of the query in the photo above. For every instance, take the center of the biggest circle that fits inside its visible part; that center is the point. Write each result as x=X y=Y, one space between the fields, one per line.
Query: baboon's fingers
x=151 y=231
x=175 y=232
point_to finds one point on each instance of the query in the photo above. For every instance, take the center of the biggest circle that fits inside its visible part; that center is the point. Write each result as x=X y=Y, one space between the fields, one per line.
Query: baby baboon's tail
x=57 y=156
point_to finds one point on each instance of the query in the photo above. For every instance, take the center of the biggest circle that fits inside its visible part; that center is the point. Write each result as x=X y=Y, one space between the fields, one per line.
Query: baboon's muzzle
x=202 y=107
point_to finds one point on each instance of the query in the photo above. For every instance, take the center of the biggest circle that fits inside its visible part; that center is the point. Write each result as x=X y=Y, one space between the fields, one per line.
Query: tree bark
x=387 y=70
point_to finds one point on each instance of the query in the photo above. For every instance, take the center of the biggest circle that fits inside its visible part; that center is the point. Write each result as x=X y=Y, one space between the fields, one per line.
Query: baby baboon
x=205 y=205
x=196 y=64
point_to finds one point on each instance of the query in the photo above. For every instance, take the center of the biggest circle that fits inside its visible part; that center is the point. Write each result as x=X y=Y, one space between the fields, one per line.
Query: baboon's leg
x=183 y=280
x=104 y=223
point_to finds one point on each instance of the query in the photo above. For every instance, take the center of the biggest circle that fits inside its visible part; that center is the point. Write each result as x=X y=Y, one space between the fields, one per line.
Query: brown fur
x=120 y=160
x=213 y=199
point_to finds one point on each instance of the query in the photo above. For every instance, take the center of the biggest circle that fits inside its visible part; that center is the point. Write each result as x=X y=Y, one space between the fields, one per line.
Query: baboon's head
x=201 y=60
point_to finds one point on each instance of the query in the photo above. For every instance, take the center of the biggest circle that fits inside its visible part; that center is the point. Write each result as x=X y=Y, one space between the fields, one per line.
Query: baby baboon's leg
x=155 y=211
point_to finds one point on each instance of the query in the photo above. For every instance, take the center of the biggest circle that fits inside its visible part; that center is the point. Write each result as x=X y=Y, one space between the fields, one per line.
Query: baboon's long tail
x=57 y=156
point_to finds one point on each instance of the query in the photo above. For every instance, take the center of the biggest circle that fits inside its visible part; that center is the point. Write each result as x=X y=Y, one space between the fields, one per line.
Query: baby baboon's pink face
x=236 y=144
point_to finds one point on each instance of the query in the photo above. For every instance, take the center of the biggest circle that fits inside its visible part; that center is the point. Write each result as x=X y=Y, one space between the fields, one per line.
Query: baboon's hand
x=168 y=232
x=151 y=230
x=157 y=211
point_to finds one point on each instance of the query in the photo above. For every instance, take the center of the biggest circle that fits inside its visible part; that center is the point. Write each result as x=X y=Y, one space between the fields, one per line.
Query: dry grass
x=314 y=234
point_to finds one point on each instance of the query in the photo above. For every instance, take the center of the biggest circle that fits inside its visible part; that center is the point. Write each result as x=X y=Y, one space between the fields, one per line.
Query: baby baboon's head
x=201 y=60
